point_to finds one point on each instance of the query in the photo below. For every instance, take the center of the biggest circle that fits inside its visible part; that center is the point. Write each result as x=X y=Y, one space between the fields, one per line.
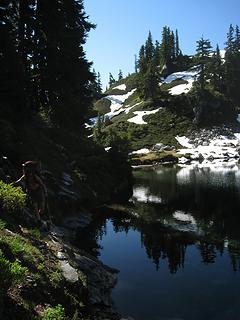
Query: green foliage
x=176 y=82
x=54 y=313
x=111 y=80
x=203 y=59
x=35 y=233
x=20 y=247
x=11 y=272
x=102 y=106
x=2 y=224
x=232 y=65
x=55 y=78
x=55 y=278
x=211 y=107
x=12 y=199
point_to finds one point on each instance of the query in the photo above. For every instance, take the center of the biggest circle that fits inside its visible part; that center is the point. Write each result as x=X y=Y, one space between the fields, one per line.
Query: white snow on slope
x=120 y=87
x=219 y=148
x=190 y=76
x=127 y=109
x=184 y=141
x=138 y=119
x=181 y=88
x=117 y=102
x=184 y=75
x=141 y=151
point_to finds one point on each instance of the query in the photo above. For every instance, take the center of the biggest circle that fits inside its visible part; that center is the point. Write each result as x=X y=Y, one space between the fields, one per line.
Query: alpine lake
x=178 y=251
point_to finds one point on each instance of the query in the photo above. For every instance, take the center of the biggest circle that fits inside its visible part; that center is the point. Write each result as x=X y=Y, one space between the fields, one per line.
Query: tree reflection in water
x=176 y=209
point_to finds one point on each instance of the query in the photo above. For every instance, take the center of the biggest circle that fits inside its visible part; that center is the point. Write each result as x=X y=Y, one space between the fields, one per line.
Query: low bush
x=11 y=199
x=11 y=272
x=54 y=313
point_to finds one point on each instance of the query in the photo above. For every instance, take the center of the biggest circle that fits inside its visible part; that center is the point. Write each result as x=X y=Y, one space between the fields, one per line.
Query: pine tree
x=172 y=46
x=99 y=83
x=203 y=58
x=64 y=75
x=120 y=75
x=157 y=55
x=177 y=48
x=232 y=65
x=142 y=62
x=149 y=49
x=216 y=70
x=111 y=80
x=230 y=40
x=135 y=64
x=168 y=49
x=14 y=101
x=237 y=39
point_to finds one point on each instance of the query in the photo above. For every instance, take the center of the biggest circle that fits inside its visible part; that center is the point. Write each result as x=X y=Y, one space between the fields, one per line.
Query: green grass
x=154 y=157
x=11 y=199
x=21 y=248
x=162 y=127
x=11 y=272
x=2 y=224
x=54 y=313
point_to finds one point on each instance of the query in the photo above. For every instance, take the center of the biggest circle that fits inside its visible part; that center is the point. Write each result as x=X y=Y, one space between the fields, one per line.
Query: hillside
x=146 y=123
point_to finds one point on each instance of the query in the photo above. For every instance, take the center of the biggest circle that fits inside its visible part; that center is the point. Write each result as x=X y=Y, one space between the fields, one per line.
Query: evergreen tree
x=135 y=64
x=149 y=49
x=230 y=40
x=61 y=72
x=232 y=65
x=168 y=51
x=237 y=39
x=177 y=48
x=157 y=54
x=216 y=70
x=120 y=75
x=203 y=58
x=14 y=101
x=142 y=63
x=172 y=46
x=99 y=83
x=96 y=86
x=111 y=80
x=148 y=83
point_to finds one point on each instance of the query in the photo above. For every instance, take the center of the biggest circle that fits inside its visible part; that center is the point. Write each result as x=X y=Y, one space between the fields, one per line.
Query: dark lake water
x=180 y=259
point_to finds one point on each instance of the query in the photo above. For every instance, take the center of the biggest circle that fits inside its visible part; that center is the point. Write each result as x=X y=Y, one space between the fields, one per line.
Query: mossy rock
x=102 y=106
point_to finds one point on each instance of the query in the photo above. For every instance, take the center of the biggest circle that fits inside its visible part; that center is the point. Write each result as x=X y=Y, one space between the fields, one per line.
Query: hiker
x=35 y=187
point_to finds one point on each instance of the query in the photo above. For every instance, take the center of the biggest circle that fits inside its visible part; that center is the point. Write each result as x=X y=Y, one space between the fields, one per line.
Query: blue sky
x=123 y=26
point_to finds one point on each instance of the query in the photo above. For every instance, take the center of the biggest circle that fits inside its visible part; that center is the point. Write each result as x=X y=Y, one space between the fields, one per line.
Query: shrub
x=2 y=224
x=54 y=313
x=20 y=247
x=11 y=272
x=11 y=199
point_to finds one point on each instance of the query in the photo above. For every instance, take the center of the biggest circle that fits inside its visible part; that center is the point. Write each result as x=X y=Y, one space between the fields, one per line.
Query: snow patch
x=117 y=102
x=184 y=141
x=181 y=88
x=141 y=151
x=184 y=75
x=218 y=148
x=120 y=87
x=127 y=109
x=138 y=119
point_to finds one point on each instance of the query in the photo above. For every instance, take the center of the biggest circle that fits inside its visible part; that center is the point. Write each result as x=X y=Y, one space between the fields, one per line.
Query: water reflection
x=177 y=208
